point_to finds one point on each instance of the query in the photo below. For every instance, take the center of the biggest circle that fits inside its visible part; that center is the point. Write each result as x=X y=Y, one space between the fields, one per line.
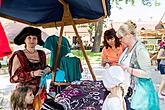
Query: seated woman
x=112 y=48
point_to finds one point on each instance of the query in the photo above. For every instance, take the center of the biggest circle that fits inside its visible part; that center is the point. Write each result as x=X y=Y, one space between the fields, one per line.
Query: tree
x=98 y=34
x=91 y=27
x=117 y=3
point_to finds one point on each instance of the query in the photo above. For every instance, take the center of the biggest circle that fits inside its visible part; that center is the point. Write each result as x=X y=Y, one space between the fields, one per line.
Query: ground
x=6 y=87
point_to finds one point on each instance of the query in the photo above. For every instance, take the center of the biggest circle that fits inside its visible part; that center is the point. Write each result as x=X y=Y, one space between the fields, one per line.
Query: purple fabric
x=88 y=95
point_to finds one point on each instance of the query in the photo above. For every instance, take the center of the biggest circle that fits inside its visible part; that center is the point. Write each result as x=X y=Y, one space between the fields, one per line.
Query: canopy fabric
x=4 y=45
x=14 y=28
x=38 y=12
x=50 y=13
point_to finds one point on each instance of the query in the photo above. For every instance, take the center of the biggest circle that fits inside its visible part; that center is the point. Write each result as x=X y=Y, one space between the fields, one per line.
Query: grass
x=88 y=52
x=93 y=57
x=4 y=66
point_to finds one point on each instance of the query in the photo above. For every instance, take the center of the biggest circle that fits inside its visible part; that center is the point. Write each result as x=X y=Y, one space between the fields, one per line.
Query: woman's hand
x=39 y=72
x=48 y=70
x=105 y=61
x=39 y=92
x=127 y=68
x=124 y=67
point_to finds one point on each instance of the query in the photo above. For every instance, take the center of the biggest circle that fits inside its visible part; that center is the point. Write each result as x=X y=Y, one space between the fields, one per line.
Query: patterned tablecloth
x=83 y=95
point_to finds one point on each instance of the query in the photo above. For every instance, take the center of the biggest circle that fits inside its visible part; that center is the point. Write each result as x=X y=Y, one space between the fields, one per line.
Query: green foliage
x=82 y=25
x=4 y=66
x=152 y=48
x=91 y=27
x=148 y=3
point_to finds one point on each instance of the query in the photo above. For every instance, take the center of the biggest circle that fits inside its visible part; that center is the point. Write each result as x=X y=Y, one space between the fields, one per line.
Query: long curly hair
x=17 y=99
x=109 y=34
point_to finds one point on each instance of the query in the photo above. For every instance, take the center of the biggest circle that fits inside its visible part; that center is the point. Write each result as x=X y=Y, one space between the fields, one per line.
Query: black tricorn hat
x=20 y=38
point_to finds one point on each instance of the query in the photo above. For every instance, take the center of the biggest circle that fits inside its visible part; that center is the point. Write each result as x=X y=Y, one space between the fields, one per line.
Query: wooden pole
x=104 y=7
x=57 y=53
x=67 y=17
x=83 y=51
x=161 y=17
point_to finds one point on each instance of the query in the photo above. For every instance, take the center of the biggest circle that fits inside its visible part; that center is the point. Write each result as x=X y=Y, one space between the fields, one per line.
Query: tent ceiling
x=49 y=13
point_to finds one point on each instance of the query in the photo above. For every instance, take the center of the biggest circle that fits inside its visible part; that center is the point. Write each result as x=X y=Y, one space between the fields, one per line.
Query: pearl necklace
x=30 y=51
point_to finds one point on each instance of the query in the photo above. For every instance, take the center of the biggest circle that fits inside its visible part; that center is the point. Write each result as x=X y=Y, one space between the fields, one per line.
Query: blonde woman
x=135 y=61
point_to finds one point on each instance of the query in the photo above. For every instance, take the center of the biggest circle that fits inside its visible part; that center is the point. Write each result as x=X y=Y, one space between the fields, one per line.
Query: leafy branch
x=148 y=3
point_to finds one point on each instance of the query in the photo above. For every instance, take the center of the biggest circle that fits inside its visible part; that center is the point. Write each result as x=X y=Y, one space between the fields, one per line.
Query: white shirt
x=113 y=103
x=125 y=59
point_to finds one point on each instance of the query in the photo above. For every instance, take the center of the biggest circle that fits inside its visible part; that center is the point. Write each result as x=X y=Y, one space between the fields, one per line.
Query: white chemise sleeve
x=113 y=103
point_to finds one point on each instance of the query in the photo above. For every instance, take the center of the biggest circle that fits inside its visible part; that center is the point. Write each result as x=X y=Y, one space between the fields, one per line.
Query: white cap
x=113 y=76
